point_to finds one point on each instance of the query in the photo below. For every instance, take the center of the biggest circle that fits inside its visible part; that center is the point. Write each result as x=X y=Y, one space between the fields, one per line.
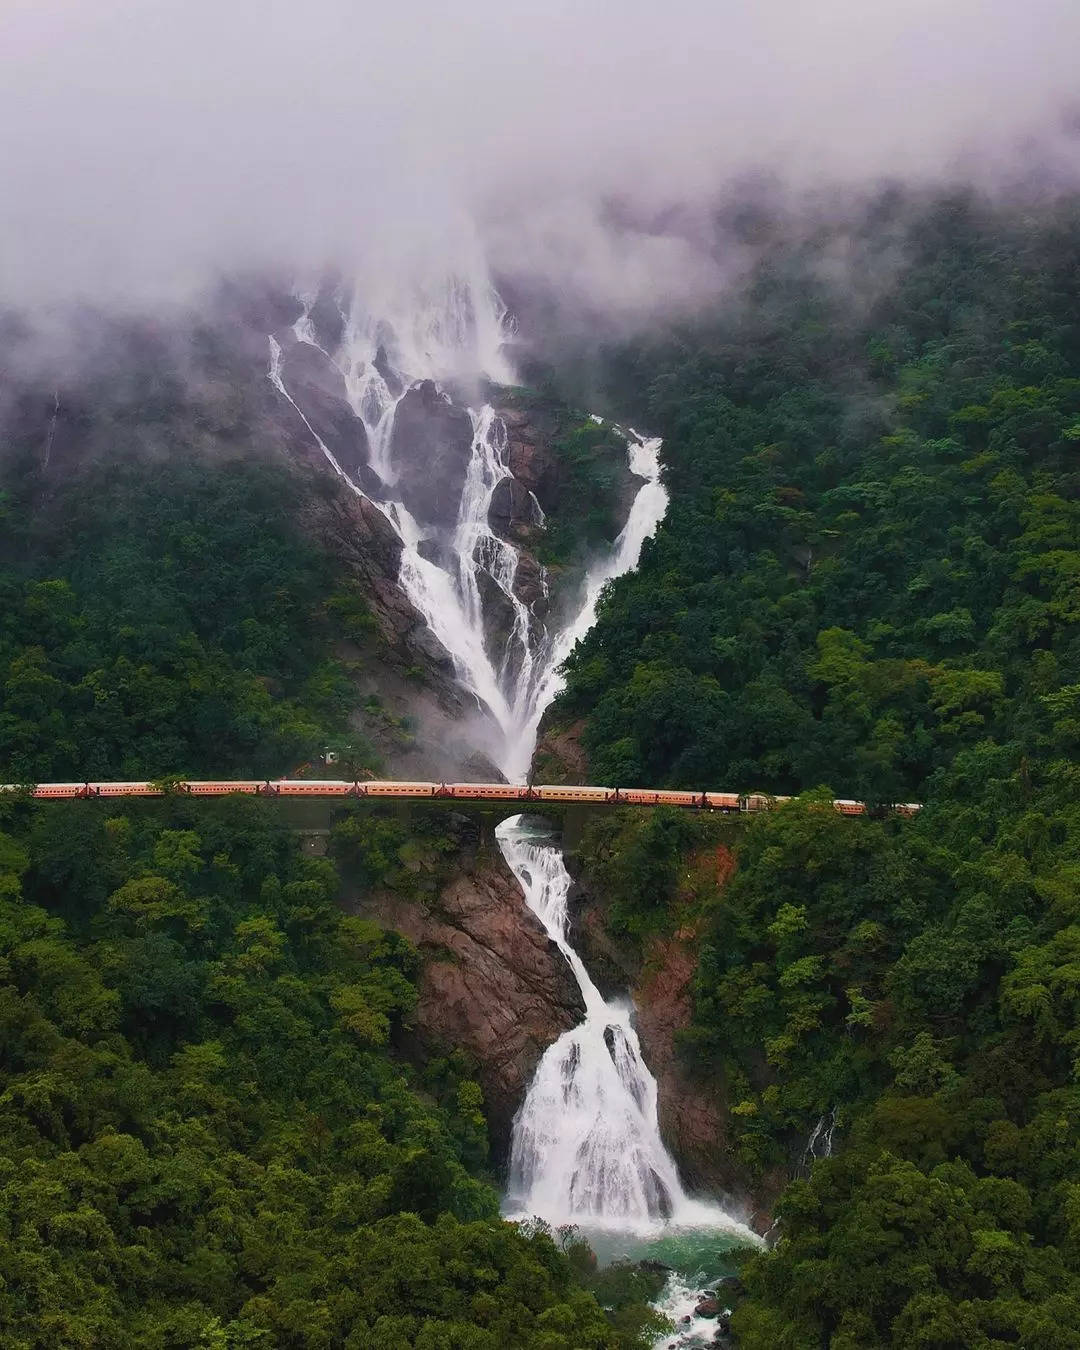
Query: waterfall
x=820 y=1143
x=586 y=1145
x=448 y=331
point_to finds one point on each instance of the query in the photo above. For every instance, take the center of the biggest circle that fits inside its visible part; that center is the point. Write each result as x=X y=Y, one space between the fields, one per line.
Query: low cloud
x=146 y=149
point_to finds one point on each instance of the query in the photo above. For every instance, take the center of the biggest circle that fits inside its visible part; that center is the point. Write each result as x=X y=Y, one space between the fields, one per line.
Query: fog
x=146 y=148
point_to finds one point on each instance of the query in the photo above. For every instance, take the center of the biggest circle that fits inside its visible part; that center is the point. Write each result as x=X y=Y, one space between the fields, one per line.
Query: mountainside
x=862 y=1029
x=230 y=1106
x=208 y=1137
x=273 y=546
x=867 y=578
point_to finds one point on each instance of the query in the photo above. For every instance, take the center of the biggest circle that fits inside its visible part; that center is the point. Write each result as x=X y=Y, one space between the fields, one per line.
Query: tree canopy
x=868 y=579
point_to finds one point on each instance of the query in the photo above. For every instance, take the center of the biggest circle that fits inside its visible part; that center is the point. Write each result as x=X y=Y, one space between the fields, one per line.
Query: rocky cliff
x=492 y=983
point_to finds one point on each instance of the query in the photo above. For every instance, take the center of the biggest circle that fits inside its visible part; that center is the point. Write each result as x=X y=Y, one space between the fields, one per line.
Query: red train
x=726 y=802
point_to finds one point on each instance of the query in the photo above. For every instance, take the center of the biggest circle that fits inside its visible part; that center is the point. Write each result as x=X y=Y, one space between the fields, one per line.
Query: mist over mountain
x=587 y=148
x=661 y=420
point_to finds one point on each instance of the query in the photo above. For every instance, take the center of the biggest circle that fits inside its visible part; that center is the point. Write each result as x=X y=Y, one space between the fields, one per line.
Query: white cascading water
x=586 y=1145
x=450 y=331
x=546 y=680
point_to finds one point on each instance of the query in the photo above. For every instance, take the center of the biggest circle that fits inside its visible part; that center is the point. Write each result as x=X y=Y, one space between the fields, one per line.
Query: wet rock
x=392 y=379
x=327 y=319
x=427 y=644
x=498 y=618
x=512 y=513
x=723 y=1335
x=430 y=448
x=318 y=388
x=534 y=467
x=530 y=584
x=492 y=982
x=514 y=418
x=707 y=1306
x=564 y=760
x=369 y=548
x=437 y=551
x=480 y=769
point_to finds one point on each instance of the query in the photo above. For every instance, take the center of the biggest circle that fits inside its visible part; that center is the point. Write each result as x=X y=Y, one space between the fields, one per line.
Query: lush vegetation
x=869 y=559
x=869 y=580
x=208 y=1135
x=593 y=482
x=166 y=618
x=590 y=481
x=206 y=1138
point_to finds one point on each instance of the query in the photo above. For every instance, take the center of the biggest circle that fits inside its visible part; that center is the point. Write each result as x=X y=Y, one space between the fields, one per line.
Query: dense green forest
x=209 y=1136
x=868 y=562
x=869 y=579
x=166 y=618
x=867 y=585
x=207 y=1139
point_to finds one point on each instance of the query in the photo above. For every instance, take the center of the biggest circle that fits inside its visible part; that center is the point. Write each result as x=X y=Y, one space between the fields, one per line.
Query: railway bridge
x=520 y=794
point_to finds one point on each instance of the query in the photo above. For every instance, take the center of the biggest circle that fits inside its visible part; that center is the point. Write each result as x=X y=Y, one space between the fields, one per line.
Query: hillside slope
x=868 y=578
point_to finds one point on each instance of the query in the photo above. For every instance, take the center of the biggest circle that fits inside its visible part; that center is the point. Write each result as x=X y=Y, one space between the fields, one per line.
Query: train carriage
x=199 y=787
x=570 y=792
x=52 y=791
x=722 y=801
x=657 y=797
x=499 y=792
x=311 y=787
x=678 y=798
x=847 y=807
x=389 y=788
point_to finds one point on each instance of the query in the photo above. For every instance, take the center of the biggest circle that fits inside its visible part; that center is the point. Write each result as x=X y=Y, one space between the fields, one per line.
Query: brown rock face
x=534 y=466
x=492 y=982
x=367 y=544
x=512 y=513
x=693 y=1119
x=529 y=583
x=560 y=752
